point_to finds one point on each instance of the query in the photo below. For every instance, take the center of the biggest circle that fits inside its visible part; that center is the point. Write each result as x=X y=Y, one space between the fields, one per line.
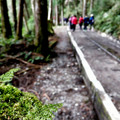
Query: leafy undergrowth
x=15 y=104
x=109 y=21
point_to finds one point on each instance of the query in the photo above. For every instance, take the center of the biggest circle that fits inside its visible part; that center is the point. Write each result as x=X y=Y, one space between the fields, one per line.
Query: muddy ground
x=58 y=81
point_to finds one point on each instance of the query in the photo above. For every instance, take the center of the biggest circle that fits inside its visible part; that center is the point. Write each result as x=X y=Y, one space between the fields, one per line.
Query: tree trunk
x=26 y=9
x=6 y=28
x=25 y=22
x=62 y=17
x=81 y=7
x=41 y=32
x=56 y=14
x=14 y=14
x=84 y=8
x=91 y=5
x=49 y=9
x=33 y=6
x=20 y=20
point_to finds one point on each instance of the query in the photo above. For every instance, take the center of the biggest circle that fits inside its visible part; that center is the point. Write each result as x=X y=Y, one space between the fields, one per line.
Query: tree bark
x=56 y=14
x=91 y=5
x=6 y=28
x=20 y=20
x=33 y=6
x=41 y=32
x=49 y=9
x=62 y=16
x=25 y=22
x=26 y=9
x=84 y=8
x=81 y=7
x=14 y=14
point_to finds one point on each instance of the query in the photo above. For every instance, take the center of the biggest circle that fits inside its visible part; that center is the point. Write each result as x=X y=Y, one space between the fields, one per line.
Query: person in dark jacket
x=86 y=22
x=70 y=22
x=91 y=21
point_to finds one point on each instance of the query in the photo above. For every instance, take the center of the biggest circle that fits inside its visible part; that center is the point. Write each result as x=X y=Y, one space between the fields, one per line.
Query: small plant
x=7 y=77
x=15 y=104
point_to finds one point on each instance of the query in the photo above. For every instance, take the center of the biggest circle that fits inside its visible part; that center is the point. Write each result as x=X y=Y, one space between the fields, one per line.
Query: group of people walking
x=82 y=21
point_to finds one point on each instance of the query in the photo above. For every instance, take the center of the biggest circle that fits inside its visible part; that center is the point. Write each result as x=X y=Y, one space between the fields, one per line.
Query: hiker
x=91 y=21
x=70 y=22
x=74 y=22
x=81 y=20
x=66 y=20
x=86 y=22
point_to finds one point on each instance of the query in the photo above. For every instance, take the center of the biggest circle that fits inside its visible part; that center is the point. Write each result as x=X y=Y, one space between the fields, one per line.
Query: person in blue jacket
x=86 y=22
x=91 y=21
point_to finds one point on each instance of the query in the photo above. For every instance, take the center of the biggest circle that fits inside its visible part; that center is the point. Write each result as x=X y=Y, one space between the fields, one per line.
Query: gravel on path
x=61 y=82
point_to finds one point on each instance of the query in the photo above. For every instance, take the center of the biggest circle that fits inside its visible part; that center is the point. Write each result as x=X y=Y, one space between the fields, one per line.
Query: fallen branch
x=5 y=59
x=25 y=62
x=22 y=71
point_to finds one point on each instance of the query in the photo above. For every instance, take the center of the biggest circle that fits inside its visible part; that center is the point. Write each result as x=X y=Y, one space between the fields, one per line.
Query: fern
x=7 y=77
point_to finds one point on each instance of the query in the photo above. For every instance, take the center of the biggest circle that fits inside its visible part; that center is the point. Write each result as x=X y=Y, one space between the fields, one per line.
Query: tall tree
x=50 y=10
x=33 y=6
x=6 y=28
x=84 y=8
x=91 y=5
x=26 y=9
x=41 y=31
x=14 y=14
x=20 y=20
x=56 y=14
x=61 y=3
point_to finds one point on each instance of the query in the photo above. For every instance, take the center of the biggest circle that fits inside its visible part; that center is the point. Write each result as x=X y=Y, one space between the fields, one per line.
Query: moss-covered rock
x=15 y=104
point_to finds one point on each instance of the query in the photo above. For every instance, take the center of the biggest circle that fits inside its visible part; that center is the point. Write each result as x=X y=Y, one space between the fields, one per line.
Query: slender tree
x=50 y=10
x=61 y=3
x=91 y=5
x=41 y=31
x=6 y=28
x=26 y=9
x=56 y=13
x=25 y=22
x=33 y=6
x=62 y=16
x=84 y=8
x=20 y=20
x=14 y=14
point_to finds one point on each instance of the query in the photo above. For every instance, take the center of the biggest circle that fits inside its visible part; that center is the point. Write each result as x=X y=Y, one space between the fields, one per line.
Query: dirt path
x=106 y=69
x=61 y=82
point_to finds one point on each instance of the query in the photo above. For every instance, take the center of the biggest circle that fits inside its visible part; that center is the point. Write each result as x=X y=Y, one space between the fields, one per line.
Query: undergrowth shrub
x=109 y=21
x=18 y=105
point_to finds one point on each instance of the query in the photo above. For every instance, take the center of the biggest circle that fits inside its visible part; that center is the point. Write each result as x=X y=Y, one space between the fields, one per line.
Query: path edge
x=103 y=105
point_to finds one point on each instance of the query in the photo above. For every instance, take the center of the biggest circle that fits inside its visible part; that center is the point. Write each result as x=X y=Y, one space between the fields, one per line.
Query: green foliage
x=15 y=104
x=31 y=23
x=50 y=28
x=7 y=42
x=109 y=21
x=7 y=77
x=32 y=58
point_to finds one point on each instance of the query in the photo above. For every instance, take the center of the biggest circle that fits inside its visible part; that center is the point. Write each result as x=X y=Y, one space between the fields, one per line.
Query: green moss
x=15 y=104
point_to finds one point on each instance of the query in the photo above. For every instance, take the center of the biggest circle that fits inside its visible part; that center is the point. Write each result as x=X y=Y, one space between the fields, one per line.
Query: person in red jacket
x=81 y=21
x=74 y=22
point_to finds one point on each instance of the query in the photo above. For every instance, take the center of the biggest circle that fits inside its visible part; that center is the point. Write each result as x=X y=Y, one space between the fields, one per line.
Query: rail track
x=109 y=49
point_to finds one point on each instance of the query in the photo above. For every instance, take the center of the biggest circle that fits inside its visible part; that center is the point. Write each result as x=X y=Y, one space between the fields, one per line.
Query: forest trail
x=106 y=69
x=61 y=82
